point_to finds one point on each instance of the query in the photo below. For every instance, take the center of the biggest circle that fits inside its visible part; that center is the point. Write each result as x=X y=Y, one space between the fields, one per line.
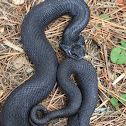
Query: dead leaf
x=18 y=63
x=29 y=70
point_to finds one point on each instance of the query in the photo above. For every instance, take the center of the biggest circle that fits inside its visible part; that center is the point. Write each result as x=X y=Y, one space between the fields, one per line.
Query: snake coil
x=20 y=108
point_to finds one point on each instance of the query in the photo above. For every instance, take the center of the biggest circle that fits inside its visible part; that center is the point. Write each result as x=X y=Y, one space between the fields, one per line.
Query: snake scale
x=20 y=108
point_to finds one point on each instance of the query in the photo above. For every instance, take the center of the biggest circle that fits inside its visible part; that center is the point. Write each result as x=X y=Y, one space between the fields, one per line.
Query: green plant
x=124 y=97
x=118 y=55
x=114 y=102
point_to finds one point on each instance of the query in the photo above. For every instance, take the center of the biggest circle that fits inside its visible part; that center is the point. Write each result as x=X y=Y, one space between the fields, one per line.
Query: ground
x=105 y=30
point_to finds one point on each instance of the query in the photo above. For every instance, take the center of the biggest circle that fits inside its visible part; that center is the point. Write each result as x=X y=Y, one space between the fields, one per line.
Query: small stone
x=18 y=2
x=19 y=62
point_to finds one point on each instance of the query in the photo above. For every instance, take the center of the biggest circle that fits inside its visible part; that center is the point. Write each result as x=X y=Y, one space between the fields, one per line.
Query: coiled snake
x=20 y=109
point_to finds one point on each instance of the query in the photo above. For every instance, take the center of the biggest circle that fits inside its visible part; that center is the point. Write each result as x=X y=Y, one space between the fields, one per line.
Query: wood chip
x=18 y=2
x=1 y=29
x=1 y=93
x=15 y=47
x=119 y=78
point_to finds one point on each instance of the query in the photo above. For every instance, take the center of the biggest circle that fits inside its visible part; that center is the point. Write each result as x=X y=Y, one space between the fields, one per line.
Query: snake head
x=76 y=50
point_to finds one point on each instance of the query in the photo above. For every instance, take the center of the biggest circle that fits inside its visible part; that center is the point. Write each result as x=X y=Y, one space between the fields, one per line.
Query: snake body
x=21 y=106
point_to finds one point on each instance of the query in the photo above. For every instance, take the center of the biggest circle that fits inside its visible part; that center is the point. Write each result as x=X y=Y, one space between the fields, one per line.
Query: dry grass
x=15 y=67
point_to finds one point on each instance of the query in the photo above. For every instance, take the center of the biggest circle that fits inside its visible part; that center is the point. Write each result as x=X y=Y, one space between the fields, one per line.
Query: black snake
x=20 y=108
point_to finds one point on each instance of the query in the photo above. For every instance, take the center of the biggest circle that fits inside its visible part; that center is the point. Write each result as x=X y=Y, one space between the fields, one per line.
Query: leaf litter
x=106 y=28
